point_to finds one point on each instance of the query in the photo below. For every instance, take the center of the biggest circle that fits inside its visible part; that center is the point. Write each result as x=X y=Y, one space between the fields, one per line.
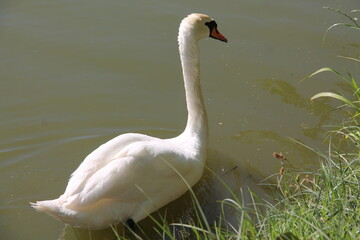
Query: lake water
x=75 y=74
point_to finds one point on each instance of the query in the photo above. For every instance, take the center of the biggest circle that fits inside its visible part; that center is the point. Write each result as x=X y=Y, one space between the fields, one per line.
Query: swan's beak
x=217 y=35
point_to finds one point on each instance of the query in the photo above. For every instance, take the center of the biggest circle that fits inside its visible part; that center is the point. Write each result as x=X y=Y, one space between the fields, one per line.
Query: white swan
x=133 y=175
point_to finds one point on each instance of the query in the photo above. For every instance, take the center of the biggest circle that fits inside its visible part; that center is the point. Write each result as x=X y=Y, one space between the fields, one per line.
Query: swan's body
x=133 y=175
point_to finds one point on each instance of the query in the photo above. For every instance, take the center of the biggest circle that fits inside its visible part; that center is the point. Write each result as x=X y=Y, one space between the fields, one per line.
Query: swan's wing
x=115 y=179
x=99 y=158
x=143 y=173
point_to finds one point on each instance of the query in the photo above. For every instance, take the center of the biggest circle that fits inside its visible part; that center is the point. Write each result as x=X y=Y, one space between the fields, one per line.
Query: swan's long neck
x=197 y=125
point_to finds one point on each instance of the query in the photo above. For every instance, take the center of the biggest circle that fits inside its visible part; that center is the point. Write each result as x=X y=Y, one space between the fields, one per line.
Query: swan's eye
x=211 y=25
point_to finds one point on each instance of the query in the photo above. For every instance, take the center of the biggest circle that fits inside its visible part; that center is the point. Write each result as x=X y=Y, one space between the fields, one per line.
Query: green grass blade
x=310 y=148
x=202 y=214
x=327 y=69
x=355 y=87
x=350 y=58
x=198 y=229
x=339 y=24
x=344 y=14
x=333 y=95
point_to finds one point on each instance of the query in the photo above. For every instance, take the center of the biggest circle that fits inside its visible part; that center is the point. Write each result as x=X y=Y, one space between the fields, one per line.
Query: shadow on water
x=290 y=95
x=209 y=191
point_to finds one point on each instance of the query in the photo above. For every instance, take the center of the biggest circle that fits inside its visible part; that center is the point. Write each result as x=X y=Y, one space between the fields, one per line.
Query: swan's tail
x=55 y=209
x=48 y=206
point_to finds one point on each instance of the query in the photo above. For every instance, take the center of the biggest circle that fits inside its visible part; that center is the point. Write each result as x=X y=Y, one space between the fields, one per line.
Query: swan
x=133 y=175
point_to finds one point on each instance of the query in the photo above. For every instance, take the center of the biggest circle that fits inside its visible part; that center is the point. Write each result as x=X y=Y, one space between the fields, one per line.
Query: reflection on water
x=289 y=95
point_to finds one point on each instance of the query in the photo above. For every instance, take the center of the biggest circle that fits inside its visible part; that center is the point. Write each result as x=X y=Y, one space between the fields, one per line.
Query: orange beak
x=217 y=35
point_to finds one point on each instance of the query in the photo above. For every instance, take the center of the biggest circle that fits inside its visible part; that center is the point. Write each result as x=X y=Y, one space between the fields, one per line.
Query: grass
x=318 y=205
x=321 y=204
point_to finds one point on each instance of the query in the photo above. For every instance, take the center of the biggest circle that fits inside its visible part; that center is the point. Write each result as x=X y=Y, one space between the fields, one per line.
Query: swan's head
x=199 y=26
